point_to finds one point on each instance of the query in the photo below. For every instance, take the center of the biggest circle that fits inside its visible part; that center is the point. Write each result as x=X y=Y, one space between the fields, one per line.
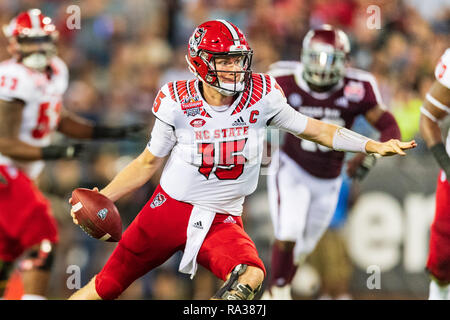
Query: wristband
x=57 y=152
x=440 y=154
x=349 y=141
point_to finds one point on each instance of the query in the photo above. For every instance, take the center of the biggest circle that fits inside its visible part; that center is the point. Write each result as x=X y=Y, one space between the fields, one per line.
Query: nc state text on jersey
x=221 y=133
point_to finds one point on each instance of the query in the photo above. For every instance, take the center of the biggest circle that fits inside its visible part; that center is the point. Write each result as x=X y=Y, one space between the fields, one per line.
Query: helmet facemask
x=228 y=81
x=213 y=42
x=35 y=52
x=323 y=67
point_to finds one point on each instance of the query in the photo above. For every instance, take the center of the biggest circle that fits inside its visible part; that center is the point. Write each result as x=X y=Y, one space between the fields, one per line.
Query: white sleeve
x=290 y=120
x=442 y=70
x=280 y=114
x=15 y=83
x=162 y=139
x=163 y=106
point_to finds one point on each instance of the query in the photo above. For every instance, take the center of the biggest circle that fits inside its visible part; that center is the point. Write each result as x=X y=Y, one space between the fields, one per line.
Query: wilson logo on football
x=197 y=123
x=102 y=213
x=158 y=200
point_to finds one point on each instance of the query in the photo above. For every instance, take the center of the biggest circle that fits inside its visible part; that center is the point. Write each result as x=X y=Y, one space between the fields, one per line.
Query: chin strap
x=232 y=289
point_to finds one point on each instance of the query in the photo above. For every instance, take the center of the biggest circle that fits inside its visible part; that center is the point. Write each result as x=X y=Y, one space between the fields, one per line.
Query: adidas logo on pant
x=229 y=220
x=198 y=225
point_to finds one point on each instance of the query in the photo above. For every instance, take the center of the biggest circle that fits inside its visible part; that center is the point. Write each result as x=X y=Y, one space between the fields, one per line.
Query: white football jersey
x=43 y=100
x=442 y=74
x=217 y=152
x=442 y=70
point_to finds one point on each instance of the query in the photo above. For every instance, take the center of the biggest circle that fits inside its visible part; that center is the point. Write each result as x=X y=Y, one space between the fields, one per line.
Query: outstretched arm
x=434 y=109
x=342 y=139
x=10 y=144
x=77 y=127
x=330 y=135
x=74 y=126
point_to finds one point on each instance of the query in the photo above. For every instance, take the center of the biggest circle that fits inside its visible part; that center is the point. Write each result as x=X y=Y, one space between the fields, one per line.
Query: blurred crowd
x=124 y=51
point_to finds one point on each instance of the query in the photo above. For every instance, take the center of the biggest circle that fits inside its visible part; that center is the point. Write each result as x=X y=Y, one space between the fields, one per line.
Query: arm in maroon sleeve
x=388 y=127
x=385 y=123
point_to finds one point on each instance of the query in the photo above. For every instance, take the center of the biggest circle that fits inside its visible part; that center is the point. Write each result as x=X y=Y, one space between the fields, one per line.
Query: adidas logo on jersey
x=198 y=225
x=239 y=122
x=229 y=220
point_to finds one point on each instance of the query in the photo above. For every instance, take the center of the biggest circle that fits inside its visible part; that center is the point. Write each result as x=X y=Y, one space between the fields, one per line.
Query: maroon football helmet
x=32 y=38
x=324 y=54
x=218 y=39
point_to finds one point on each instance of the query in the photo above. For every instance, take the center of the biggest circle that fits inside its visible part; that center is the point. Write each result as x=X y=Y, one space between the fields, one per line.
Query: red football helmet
x=32 y=38
x=218 y=39
x=324 y=54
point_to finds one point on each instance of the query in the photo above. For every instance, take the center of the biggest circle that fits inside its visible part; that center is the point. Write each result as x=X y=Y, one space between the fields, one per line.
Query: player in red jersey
x=213 y=128
x=32 y=84
x=303 y=186
x=435 y=108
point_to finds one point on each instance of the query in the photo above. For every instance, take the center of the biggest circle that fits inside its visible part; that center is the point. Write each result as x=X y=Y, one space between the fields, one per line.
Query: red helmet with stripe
x=32 y=36
x=31 y=23
x=324 y=54
x=220 y=39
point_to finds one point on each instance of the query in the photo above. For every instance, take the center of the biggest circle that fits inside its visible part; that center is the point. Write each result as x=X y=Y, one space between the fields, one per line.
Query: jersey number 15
x=230 y=164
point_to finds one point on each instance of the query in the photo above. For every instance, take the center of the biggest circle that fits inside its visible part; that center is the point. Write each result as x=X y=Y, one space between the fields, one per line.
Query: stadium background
x=125 y=50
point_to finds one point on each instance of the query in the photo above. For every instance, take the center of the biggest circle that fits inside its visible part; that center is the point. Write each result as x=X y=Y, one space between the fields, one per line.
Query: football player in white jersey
x=304 y=185
x=435 y=108
x=213 y=130
x=32 y=84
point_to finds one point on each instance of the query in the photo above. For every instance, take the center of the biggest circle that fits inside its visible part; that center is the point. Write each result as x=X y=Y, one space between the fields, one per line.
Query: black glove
x=359 y=166
x=62 y=152
x=117 y=132
x=440 y=154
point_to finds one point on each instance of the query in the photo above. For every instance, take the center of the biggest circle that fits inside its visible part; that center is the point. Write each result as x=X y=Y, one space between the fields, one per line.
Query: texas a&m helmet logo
x=195 y=40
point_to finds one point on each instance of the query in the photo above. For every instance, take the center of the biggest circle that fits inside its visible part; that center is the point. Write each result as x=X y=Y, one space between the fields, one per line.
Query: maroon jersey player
x=304 y=184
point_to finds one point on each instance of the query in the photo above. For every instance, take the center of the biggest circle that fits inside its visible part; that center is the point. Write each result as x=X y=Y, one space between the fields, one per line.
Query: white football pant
x=301 y=205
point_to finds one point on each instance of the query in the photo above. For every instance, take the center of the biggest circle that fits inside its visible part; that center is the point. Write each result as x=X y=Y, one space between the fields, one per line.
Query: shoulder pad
x=259 y=86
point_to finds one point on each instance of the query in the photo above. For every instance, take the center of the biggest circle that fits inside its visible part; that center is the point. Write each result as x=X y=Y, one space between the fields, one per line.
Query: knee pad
x=39 y=258
x=232 y=289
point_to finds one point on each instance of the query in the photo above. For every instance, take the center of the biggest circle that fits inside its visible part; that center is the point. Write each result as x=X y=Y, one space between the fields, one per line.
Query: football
x=96 y=215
